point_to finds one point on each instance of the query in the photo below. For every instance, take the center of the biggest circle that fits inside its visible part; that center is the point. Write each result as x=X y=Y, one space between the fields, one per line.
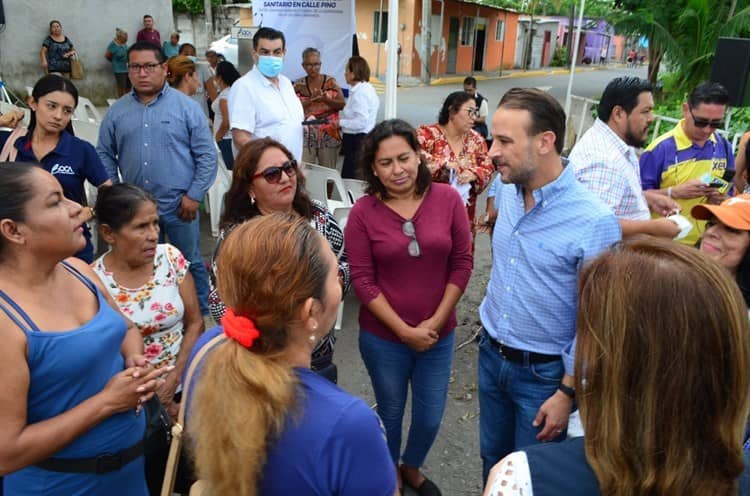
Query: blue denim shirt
x=164 y=146
x=532 y=298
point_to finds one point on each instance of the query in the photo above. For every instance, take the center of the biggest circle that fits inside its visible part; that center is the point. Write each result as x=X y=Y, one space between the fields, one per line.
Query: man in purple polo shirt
x=148 y=33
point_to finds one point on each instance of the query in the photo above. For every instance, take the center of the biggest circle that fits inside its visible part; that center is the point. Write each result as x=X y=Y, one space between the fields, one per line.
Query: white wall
x=90 y=25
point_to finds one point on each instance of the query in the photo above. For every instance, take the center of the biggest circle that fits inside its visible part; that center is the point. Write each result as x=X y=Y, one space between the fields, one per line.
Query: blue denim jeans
x=510 y=395
x=186 y=236
x=392 y=366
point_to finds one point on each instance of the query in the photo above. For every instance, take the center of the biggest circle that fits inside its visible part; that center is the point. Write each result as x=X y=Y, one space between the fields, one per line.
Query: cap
x=733 y=212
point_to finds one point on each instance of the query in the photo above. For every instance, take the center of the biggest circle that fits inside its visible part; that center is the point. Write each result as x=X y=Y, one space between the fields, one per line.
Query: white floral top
x=156 y=308
x=512 y=477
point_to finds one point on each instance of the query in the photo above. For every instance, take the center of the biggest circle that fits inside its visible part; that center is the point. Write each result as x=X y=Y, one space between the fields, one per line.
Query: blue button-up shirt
x=164 y=146
x=531 y=298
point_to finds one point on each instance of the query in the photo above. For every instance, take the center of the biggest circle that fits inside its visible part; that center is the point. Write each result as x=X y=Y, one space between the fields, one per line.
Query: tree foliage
x=192 y=6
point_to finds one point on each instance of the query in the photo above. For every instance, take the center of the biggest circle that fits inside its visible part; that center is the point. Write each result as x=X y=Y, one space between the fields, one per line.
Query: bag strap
x=9 y=152
x=175 y=447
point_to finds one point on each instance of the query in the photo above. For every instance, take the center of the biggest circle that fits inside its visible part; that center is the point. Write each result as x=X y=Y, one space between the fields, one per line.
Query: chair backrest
x=110 y=101
x=355 y=188
x=318 y=179
x=87 y=131
x=86 y=111
x=341 y=214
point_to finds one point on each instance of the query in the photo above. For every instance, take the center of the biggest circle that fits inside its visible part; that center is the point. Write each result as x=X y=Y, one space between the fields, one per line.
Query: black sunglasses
x=272 y=175
x=717 y=124
x=408 y=229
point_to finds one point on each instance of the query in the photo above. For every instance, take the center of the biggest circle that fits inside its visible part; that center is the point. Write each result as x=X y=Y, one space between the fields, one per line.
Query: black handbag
x=156 y=441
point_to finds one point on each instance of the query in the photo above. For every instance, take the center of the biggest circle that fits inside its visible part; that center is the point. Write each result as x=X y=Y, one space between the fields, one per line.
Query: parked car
x=226 y=46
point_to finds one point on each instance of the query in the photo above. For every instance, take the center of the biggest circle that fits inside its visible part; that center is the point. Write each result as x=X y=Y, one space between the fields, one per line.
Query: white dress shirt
x=258 y=106
x=361 y=109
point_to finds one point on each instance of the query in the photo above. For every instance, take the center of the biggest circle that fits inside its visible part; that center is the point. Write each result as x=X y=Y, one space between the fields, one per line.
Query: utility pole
x=209 y=22
x=426 y=41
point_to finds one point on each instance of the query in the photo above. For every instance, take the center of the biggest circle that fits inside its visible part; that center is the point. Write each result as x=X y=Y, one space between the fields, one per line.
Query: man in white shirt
x=605 y=161
x=480 y=123
x=262 y=103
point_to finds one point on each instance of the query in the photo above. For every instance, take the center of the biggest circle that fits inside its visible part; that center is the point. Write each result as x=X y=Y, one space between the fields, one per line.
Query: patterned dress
x=156 y=308
x=324 y=222
x=473 y=157
x=323 y=135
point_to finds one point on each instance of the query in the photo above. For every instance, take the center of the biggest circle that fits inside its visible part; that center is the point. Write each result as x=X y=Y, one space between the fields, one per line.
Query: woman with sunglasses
x=455 y=153
x=266 y=180
x=409 y=246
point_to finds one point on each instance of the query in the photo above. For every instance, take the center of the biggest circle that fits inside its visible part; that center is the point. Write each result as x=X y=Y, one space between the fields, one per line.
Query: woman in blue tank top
x=73 y=373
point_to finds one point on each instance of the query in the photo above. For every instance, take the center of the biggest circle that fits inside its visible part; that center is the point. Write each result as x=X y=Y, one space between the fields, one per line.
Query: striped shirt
x=673 y=159
x=607 y=166
x=536 y=257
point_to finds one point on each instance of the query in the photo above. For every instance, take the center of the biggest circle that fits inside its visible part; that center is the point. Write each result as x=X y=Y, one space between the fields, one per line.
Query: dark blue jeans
x=186 y=236
x=225 y=147
x=392 y=366
x=510 y=395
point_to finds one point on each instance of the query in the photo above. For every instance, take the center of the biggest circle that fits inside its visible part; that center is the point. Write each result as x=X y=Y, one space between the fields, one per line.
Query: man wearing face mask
x=263 y=103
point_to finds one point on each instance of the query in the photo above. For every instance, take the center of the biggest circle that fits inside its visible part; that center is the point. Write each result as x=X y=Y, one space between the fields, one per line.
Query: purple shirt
x=152 y=37
x=380 y=263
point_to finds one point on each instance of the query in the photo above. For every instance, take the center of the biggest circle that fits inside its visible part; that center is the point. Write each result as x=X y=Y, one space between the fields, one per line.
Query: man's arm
x=240 y=137
x=663 y=228
x=203 y=151
x=106 y=147
x=241 y=114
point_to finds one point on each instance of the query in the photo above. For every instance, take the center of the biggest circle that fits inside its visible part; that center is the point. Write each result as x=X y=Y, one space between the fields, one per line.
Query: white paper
x=463 y=189
x=683 y=223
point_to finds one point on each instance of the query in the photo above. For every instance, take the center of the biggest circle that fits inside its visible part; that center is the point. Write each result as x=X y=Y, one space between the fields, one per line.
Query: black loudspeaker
x=2 y=13
x=731 y=68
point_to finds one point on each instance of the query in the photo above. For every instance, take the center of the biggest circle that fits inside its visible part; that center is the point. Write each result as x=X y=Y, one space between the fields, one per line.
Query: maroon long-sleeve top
x=380 y=263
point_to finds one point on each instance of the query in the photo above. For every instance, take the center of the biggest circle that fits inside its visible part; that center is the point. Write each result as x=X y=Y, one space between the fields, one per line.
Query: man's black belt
x=106 y=462
x=517 y=356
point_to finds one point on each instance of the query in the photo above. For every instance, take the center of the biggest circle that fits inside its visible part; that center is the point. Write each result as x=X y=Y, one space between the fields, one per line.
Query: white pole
x=573 y=59
x=391 y=66
x=377 y=40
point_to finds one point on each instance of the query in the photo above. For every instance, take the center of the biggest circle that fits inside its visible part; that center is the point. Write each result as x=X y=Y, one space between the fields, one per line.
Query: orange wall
x=410 y=14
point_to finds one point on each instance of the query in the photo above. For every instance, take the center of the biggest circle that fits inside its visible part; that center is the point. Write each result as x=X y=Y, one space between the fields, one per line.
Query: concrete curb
x=513 y=75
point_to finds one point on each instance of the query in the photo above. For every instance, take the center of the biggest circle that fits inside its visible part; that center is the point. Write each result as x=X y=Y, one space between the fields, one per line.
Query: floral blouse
x=473 y=157
x=322 y=135
x=324 y=222
x=156 y=308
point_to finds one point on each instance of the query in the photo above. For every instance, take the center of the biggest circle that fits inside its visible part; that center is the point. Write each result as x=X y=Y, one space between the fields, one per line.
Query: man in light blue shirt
x=548 y=225
x=158 y=138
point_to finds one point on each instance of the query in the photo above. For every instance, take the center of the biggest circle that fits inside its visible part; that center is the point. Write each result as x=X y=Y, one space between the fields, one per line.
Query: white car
x=226 y=46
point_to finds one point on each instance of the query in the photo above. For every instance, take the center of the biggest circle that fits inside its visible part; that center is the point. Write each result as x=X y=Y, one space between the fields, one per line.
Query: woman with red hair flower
x=292 y=430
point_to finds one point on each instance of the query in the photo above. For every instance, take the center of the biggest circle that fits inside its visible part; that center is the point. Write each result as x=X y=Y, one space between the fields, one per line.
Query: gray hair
x=310 y=51
x=119 y=32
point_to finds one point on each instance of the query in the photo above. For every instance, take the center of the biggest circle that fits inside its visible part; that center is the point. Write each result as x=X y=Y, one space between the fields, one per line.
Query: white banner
x=327 y=25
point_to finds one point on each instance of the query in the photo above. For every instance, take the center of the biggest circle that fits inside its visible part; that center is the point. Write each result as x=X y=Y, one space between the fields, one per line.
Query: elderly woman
x=321 y=98
x=656 y=423
x=265 y=180
x=117 y=53
x=409 y=248
x=50 y=142
x=293 y=431
x=726 y=237
x=359 y=114
x=57 y=50
x=455 y=153
x=149 y=281
x=73 y=372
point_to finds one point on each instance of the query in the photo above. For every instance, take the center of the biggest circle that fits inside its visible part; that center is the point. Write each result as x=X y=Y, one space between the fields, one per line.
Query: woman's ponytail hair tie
x=241 y=329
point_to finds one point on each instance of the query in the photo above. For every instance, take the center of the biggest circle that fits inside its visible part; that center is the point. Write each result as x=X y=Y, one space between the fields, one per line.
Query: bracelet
x=669 y=192
x=567 y=391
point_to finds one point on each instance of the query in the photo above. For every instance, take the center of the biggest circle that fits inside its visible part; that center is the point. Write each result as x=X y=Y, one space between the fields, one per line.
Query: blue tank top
x=65 y=369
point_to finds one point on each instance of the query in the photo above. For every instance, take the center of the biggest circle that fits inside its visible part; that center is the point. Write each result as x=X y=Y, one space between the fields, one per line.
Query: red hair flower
x=241 y=329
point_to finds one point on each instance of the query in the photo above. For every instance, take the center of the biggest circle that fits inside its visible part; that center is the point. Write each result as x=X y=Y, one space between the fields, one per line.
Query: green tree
x=192 y=6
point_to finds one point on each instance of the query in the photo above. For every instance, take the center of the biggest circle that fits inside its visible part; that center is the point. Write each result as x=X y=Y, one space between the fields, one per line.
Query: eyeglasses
x=715 y=222
x=472 y=111
x=408 y=229
x=699 y=122
x=272 y=175
x=149 y=68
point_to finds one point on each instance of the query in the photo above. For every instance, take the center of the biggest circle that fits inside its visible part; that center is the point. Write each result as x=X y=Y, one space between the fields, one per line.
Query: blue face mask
x=269 y=65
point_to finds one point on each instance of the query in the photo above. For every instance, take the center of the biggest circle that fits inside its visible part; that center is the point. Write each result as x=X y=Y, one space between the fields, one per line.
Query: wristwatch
x=567 y=391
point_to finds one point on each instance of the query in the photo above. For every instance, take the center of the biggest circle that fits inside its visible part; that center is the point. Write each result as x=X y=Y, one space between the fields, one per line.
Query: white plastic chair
x=111 y=101
x=340 y=214
x=86 y=130
x=215 y=194
x=355 y=189
x=318 y=178
x=91 y=194
x=86 y=111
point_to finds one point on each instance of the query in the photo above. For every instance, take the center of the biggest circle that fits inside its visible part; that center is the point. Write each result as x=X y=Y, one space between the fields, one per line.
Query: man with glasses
x=689 y=162
x=157 y=138
x=605 y=160
x=263 y=103
x=548 y=225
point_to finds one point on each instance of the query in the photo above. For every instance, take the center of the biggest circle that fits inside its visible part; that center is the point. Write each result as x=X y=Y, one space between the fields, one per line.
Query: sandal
x=426 y=488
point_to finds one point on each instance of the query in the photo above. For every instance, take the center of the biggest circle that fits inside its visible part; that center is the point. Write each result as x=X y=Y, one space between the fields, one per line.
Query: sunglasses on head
x=699 y=122
x=272 y=175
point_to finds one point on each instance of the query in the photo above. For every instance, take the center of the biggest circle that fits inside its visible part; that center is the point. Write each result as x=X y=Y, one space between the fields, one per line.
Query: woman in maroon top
x=409 y=246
